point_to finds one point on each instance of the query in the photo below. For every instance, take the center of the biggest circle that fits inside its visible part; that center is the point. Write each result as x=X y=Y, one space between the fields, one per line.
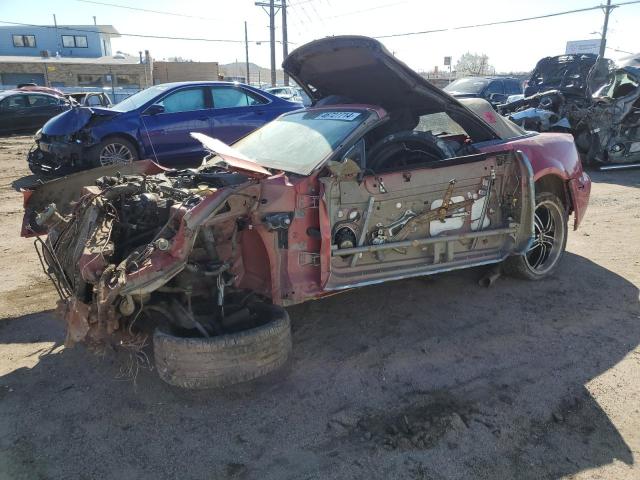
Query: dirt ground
x=430 y=378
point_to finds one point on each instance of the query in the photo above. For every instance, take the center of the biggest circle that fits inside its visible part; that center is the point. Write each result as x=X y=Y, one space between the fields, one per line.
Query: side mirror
x=154 y=109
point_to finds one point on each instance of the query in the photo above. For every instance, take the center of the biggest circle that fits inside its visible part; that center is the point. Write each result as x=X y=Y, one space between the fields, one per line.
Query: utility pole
x=285 y=43
x=55 y=24
x=246 y=51
x=603 y=40
x=272 y=34
x=272 y=40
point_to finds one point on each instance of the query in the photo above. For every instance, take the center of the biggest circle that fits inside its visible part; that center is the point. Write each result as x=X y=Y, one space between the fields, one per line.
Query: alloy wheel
x=549 y=234
x=115 y=154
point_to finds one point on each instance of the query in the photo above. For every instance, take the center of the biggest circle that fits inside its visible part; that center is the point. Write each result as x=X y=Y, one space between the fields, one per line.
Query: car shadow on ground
x=627 y=178
x=429 y=377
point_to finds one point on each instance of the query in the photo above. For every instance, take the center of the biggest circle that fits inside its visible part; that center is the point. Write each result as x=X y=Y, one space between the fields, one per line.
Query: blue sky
x=510 y=47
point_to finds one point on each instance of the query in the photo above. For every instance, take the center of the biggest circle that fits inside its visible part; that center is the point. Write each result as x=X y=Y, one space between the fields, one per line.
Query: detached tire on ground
x=550 y=232
x=225 y=359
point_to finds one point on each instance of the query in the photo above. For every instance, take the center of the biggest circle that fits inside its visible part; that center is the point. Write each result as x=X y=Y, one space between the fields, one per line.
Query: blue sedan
x=154 y=123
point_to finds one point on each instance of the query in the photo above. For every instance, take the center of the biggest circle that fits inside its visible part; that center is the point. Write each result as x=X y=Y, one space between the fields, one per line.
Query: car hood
x=362 y=70
x=234 y=160
x=74 y=119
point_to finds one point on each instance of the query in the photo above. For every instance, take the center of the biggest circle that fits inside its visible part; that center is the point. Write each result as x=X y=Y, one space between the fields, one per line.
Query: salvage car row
x=578 y=94
x=384 y=177
x=589 y=97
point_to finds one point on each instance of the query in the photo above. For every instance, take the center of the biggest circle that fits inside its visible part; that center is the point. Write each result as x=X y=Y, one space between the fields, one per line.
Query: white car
x=291 y=94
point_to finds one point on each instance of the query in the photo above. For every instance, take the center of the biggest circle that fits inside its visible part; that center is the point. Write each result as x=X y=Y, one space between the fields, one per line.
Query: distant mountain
x=256 y=72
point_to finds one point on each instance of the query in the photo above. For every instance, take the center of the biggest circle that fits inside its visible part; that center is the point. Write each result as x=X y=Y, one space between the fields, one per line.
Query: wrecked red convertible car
x=384 y=177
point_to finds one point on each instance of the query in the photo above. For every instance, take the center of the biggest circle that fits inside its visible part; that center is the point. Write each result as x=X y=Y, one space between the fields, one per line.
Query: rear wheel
x=113 y=151
x=550 y=239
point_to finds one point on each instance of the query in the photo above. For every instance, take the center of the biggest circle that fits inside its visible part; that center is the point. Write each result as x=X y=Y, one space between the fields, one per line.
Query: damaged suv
x=600 y=106
x=384 y=177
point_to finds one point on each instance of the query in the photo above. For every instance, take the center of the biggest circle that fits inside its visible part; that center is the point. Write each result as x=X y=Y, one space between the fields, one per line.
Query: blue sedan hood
x=73 y=120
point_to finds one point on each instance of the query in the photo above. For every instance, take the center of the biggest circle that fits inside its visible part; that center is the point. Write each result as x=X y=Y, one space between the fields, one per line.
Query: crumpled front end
x=62 y=144
x=142 y=252
x=606 y=126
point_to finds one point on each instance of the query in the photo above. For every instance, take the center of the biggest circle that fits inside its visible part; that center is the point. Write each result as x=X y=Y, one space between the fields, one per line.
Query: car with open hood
x=385 y=177
x=153 y=123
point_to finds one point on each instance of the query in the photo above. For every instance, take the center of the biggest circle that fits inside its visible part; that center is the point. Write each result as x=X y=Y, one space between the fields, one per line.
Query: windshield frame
x=373 y=115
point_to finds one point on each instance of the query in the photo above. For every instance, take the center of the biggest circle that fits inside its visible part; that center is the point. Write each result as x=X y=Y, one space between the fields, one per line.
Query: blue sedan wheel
x=113 y=151
x=115 y=154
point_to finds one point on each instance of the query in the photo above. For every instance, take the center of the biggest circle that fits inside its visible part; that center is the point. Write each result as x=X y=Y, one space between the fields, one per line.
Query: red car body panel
x=290 y=276
x=554 y=154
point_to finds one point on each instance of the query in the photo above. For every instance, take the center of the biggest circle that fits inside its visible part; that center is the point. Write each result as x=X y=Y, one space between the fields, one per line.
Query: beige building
x=165 y=72
x=118 y=71
x=112 y=71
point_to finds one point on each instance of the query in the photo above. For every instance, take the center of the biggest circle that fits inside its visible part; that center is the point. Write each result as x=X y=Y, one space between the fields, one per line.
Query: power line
x=620 y=51
x=302 y=2
x=355 y=12
x=161 y=12
x=503 y=22
x=162 y=37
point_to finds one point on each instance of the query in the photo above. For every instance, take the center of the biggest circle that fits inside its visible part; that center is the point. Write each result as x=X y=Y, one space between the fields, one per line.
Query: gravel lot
x=431 y=378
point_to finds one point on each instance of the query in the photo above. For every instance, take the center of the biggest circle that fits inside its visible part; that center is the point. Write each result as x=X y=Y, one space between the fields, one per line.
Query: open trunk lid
x=360 y=70
x=364 y=71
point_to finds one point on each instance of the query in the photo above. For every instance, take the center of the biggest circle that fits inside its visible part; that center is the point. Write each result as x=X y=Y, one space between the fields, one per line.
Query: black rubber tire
x=94 y=152
x=383 y=150
x=518 y=266
x=197 y=363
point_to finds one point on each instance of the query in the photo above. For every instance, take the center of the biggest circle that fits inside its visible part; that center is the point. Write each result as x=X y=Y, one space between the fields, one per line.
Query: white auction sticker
x=338 y=116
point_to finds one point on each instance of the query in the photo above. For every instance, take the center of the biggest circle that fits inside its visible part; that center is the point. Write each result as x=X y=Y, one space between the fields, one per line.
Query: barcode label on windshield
x=338 y=116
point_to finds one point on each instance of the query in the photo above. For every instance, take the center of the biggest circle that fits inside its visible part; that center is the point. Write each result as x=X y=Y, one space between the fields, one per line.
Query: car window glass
x=41 y=100
x=94 y=100
x=14 y=102
x=466 y=85
x=138 y=99
x=184 y=101
x=513 y=87
x=495 y=87
x=228 y=97
x=356 y=153
x=299 y=141
x=439 y=123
